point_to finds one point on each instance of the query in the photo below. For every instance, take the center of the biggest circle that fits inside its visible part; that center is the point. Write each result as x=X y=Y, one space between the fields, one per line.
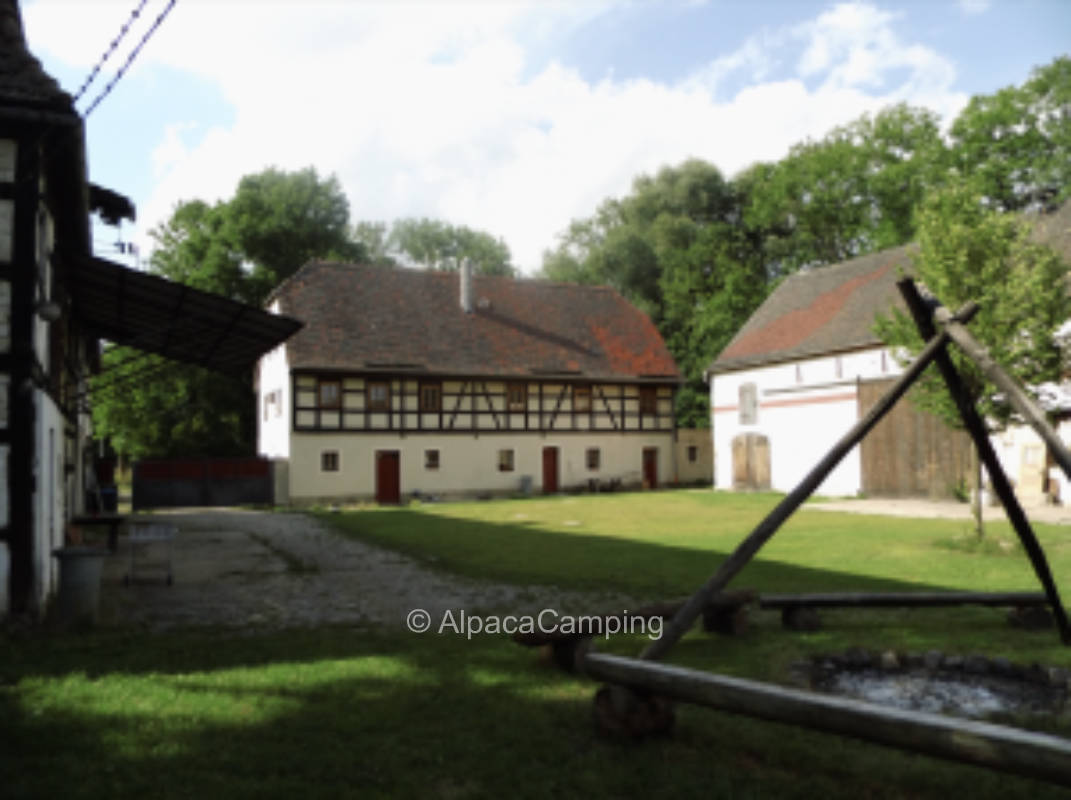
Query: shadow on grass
x=344 y=714
x=522 y=552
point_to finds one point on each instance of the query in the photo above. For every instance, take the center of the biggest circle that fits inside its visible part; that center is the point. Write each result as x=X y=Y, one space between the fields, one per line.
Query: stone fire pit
x=972 y=686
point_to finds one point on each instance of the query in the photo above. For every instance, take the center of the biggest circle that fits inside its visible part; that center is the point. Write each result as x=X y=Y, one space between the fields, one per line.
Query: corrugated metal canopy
x=173 y=320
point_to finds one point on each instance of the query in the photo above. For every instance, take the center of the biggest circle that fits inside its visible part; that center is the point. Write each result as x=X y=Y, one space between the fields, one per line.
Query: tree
x=433 y=244
x=1014 y=146
x=968 y=251
x=374 y=238
x=852 y=192
x=240 y=248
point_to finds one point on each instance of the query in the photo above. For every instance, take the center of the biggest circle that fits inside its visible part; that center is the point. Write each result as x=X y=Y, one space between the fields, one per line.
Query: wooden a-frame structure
x=637 y=685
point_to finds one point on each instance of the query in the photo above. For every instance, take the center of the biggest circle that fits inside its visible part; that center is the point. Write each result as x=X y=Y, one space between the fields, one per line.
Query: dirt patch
x=250 y=568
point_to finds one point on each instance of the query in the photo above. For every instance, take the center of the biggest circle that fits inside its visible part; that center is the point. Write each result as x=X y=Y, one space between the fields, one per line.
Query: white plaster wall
x=468 y=464
x=804 y=407
x=49 y=498
x=273 y=440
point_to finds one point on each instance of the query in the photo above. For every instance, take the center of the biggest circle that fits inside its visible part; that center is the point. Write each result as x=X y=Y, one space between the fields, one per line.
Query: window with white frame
x=329 y=461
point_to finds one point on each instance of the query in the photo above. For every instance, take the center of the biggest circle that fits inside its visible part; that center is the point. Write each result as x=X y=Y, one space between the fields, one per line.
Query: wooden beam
x=1034 y=416
x=747 y=549
x=1034 y=755
x=901 y=599
x=972 y=420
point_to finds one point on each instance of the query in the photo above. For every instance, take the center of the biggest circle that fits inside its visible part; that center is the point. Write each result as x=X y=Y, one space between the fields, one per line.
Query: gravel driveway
x=252 y=568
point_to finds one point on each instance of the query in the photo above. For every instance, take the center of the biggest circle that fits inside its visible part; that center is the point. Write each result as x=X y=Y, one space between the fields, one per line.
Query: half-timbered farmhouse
x=426 y=383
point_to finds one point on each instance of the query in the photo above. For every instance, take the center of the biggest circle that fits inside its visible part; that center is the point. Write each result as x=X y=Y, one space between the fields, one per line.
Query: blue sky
x=508 y=117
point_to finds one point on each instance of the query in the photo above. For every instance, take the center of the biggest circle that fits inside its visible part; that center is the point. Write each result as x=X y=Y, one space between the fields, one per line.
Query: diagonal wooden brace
x=746 y=550
x=979 y=433
x=1016 y=396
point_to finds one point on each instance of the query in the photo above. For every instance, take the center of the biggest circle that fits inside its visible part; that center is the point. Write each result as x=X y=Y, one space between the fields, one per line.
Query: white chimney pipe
x=466 y=286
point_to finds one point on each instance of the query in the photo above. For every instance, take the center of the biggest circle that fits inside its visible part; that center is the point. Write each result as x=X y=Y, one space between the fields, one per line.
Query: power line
x=111 y=49
x=130 y=59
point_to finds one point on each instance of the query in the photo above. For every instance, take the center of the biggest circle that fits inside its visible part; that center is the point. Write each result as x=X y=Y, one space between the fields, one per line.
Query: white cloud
x=439 y=110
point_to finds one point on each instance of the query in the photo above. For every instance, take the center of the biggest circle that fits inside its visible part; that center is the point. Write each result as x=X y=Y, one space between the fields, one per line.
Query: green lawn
x=375 y=713
x=664 y=544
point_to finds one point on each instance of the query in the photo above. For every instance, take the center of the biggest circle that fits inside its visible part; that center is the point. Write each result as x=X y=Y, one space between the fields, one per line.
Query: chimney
x=466 y=286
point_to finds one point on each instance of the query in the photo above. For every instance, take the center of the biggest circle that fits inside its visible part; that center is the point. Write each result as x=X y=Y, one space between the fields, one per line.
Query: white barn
x=807 y=365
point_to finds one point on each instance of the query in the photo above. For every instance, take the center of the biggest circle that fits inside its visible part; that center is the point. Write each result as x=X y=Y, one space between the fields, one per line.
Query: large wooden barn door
x=388 y=477
x=751 y=461
x=911 y=453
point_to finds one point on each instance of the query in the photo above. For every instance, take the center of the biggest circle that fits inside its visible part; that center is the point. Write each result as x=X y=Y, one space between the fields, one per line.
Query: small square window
x=329 y=461
x=505 y=461
x=593 y=458
x=648 y=400
x=693 y=453
x=431 y=459
x=330 y=394
x=517 y=396
x=378 y=395
x=581 y=398
x=431 y=397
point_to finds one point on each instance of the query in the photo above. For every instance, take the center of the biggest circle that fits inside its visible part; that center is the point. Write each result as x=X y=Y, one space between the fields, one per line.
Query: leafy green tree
x=437 y=245
x=374 y=238
x=1014 y=146
x=968 y=251
x=853 y=192
x=241 y=249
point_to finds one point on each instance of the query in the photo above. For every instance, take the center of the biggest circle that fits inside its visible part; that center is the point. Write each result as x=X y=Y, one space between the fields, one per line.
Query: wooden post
x=747 y=549
x=1016 y=396
x=1035 y=755
x=977 y=429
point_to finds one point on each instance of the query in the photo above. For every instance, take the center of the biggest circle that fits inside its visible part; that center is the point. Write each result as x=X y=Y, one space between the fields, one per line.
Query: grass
x=341 y=712
x=666 y=544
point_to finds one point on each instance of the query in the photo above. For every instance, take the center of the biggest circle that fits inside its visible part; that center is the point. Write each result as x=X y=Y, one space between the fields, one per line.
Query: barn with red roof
x=808 y=364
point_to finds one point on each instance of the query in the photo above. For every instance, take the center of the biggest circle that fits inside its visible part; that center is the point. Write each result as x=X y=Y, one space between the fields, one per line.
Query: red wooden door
x=650 y=467
x=388 y=477
x=550 y=470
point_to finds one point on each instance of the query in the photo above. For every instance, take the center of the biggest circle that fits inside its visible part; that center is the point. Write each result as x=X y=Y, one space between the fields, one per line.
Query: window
x=749 y=404
x=431 y=397
x=581 y=398
x=693 y=453
x=329 y=461
x=267 y=403
x=378 y=395
x=431 y=459
x=648 y=400
x=517 y=396
x=330 y=394
x=505 y=461
x=593 y=458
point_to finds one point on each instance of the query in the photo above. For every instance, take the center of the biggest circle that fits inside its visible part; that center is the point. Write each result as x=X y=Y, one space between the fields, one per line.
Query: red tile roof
x=824 y=310
x=367 y=318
